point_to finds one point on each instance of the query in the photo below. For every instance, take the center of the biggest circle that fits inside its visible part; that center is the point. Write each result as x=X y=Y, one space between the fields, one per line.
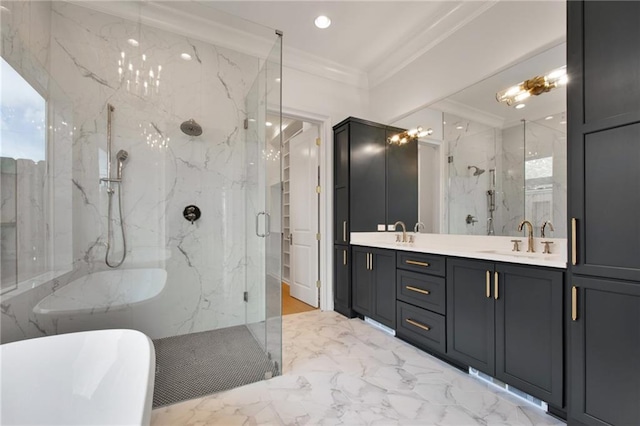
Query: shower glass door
x=263 y=206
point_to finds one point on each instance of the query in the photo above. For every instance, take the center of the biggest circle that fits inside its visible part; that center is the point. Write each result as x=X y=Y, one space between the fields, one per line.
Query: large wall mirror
x=489 y=165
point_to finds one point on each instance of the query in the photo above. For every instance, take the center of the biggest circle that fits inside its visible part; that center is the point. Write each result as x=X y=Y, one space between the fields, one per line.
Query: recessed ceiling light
x=252 y=119
x=133 y=42
x=185 y=56
x=459 y=127
x=563 y=122
x=520 y=106
x=322 y=22
x=268 y=124
x=549 y=117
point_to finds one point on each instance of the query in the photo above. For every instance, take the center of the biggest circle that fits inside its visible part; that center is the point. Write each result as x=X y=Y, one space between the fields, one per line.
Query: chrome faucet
x=404 y=230
x=418 y=227
x=544 y=226
x=530 y=248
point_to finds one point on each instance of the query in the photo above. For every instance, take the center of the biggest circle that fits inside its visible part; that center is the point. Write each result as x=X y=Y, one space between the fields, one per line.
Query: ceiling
x=367 y=43
x=372 y=38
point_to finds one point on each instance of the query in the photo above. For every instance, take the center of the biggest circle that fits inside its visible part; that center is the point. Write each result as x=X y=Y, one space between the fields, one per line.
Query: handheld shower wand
x=121 y=157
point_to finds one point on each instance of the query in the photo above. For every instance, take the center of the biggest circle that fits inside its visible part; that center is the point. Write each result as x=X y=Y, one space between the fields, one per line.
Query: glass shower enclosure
x=158 y=65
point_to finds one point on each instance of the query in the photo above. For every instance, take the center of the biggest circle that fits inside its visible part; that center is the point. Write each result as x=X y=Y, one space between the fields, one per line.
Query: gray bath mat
x=199 y=364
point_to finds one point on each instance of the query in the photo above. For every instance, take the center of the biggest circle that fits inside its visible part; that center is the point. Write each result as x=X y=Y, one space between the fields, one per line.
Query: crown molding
x=434 y=34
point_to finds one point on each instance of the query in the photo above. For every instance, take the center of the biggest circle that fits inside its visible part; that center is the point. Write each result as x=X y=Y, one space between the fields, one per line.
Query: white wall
x=304 y=92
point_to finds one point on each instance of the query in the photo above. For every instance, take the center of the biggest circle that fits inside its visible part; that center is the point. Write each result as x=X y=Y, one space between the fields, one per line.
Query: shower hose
x=110 y=192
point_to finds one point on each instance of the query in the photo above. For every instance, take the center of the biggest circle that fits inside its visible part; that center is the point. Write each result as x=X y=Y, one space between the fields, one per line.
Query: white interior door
x=303 y=156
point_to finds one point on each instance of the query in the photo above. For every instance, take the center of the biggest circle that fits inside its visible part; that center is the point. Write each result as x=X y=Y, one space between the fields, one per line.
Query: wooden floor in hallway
x=291 y=305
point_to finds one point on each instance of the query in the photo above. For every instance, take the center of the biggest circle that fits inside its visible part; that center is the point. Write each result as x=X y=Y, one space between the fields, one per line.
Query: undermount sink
x=521 y=254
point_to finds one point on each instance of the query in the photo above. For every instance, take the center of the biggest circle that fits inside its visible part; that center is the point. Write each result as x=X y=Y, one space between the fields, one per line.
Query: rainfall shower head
x=191 y=128
x=478 y=171
x=121 y=156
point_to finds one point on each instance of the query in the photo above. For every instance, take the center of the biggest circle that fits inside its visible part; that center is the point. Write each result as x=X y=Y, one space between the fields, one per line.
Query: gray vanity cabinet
x=421 y=307
x=506 y=321
x=471 y=314
x=374 y=287
x=603 y=106
x=605 y=352
x=603 y=306
x=374 y=184
x=341 y=279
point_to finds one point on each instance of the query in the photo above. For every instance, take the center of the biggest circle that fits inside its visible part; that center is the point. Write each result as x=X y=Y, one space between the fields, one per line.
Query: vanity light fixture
x=409 y=135
x=534 y=86
x=322 y=22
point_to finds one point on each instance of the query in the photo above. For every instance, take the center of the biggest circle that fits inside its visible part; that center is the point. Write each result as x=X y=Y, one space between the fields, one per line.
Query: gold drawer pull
x=415 y=262
x=488 y=282
x=419 y=290
x=417 y=324
x=574 y=303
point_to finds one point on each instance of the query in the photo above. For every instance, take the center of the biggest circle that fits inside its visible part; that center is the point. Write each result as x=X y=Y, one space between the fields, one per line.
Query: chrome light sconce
x=534 y=86
x=409 y=135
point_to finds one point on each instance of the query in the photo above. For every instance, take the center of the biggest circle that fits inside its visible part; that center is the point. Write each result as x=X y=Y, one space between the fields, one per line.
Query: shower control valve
x=192 y=213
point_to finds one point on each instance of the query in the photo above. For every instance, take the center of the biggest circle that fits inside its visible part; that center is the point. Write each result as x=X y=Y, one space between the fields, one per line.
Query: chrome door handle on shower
x=267 y=224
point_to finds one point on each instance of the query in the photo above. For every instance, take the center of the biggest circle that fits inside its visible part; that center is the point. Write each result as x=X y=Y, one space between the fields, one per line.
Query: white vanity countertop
x=470 y=246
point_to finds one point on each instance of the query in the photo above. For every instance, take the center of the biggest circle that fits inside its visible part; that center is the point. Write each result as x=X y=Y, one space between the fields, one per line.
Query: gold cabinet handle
x=367 y=261
x=495 y=285
x=415 y=262
x=417 y=324
x=574 y=242
x=371 y=254
x=574 y=303
x=344 y=231
x=344 y=257
x=488 y=285
x=417 y=290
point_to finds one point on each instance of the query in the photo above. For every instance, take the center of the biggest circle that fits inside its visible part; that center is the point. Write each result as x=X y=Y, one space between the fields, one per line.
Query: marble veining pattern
x=77 y=50
x=344 y=372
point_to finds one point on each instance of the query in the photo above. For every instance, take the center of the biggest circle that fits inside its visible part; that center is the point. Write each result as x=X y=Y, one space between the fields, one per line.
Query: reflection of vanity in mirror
x=490 y=165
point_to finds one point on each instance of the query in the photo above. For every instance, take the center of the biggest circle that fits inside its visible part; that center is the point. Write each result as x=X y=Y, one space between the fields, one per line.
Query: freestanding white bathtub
x=102 y=377
x=104 y=291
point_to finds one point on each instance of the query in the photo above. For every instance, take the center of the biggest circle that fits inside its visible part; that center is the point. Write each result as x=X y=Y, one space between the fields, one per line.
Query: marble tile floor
x=345 y=372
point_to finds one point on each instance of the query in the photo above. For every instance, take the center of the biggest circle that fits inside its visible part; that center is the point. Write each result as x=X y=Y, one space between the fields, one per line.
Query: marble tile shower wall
x=469 y=144
x=166 y=169
x=510 y=201
x=204 y=260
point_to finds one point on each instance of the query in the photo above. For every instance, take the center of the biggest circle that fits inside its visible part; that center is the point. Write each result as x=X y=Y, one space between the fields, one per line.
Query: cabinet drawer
x=422 y=327
x=422 y=290
x=421 y=262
